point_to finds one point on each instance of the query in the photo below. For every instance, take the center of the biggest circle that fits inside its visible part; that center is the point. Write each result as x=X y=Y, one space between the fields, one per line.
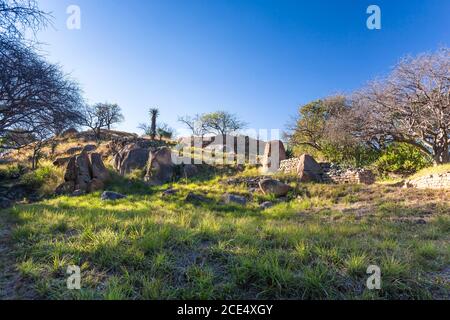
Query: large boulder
x=130 y=158
x=274 y=153
x=83 y=172
x=98 y=169
x=71 y=170
x=308 y=170
x=275 y=187
x=160 y=168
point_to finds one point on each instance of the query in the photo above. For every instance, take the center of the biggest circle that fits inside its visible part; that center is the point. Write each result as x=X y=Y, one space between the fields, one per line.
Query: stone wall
x=432 y=181
x=333 y=173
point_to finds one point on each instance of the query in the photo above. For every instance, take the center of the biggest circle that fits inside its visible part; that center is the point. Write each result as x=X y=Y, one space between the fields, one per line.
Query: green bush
x=401 y=158
x=11 y=171
x=46 y=177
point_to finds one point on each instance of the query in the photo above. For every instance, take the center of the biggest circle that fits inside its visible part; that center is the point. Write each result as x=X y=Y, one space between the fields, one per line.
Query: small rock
x=110 y=195
x=275 y=187
x=232 y=198
x=196 y=198
x=78 y=193
x=266 y=205
x=169 y=192
x=421 y=221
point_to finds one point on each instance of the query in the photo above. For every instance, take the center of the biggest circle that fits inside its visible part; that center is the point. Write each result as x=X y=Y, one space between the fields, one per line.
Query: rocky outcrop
x=85 y=172
x=308 y=170
x=274 y=153
x=275 y=187
x=131 y=157
x=97 y=167
x=61 y=162
x=160 y=168
x=89 y=148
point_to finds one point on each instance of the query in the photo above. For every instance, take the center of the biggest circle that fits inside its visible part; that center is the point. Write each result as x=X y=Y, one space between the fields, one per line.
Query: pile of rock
x=308 y=170
x=84 y=173
x=431 y=181
x=334 y=174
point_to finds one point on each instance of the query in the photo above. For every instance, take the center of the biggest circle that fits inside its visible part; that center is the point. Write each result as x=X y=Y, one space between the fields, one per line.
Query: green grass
x=317 y=245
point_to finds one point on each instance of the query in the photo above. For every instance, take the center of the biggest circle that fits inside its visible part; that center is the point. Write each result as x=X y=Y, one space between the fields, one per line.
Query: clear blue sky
x=258 y=59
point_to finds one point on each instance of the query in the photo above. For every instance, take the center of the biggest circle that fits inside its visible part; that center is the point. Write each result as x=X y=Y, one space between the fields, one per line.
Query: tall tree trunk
x=441 y=154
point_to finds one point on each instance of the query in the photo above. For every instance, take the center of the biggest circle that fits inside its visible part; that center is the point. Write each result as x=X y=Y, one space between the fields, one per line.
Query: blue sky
x=259 y=59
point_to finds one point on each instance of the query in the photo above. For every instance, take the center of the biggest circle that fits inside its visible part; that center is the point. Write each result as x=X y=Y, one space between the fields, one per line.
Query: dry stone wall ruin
x=431 y=181
x=331 y=173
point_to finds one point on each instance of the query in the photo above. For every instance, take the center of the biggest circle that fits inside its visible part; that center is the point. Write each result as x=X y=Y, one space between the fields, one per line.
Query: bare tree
x=110 y=113
x=412 y=105
x=17 y=16
x=194 y=124
x=94 y=120
x=34 y=95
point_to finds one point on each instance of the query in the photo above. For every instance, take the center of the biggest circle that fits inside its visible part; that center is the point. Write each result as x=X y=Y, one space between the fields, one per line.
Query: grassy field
x=317 y=245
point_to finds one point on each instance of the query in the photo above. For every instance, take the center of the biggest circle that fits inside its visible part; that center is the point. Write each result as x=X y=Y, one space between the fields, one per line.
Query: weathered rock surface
x=275 y=187
x=189 y=170
x=232 y=198
x=131 y=157
x=74 y=150
x=169 y=192
x=196 y=198
x=110 y=195
x=61 y=162
x=85 y=172
x=266 y=205
x=89 y=148
x=98 y=169
x=308 y=170
x=160 y=168
x=95 y=185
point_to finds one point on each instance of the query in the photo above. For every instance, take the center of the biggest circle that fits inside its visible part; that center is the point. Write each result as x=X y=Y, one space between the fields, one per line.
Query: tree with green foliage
x=402 y=158
x=321 y=130
x=221 y=123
